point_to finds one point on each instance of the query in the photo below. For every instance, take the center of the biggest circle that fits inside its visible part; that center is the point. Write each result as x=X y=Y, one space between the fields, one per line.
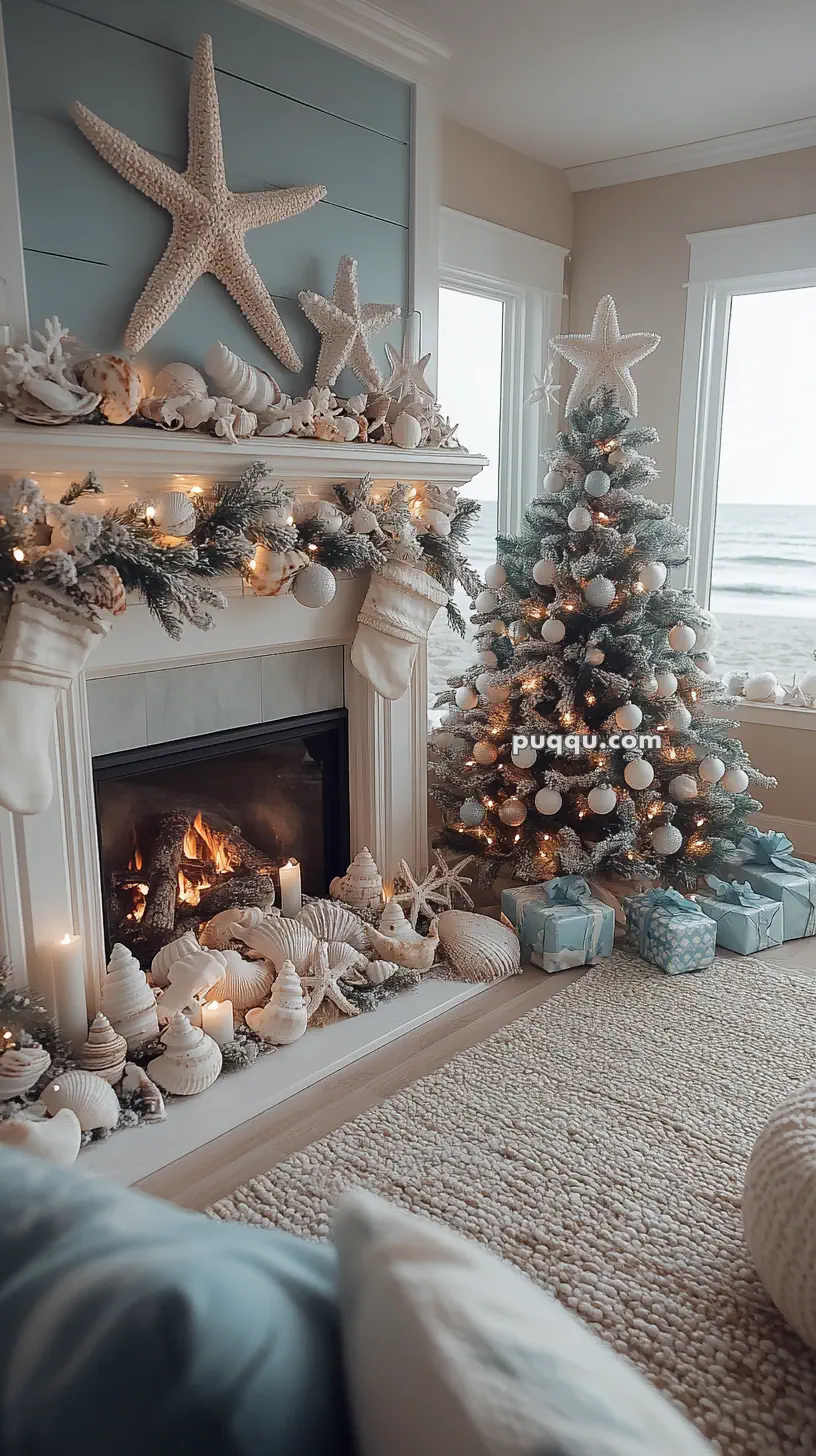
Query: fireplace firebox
x=190 y=828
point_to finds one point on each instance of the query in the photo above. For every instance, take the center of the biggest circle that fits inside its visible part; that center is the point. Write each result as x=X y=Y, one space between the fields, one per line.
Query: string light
x=253 y=565
x=150 y=512
x=18 y=554
x=589 y=698
x=312 y=545
x=290 y=520
x=196 y=490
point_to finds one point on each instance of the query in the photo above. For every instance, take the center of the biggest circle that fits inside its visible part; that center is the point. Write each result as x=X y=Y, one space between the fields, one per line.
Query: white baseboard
x=802 y=832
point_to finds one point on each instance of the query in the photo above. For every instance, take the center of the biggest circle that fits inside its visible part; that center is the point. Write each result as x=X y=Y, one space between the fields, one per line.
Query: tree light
x=18 y=554
x=150 y=512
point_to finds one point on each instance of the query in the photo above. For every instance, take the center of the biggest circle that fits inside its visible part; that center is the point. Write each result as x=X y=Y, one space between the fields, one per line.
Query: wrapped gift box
x=746 y=922
x=670 y=932
x=559 y=923
x=766 y=861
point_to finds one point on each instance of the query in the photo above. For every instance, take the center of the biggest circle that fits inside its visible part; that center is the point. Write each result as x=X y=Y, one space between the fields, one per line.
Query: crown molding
x=363 y=31
x=765 y=141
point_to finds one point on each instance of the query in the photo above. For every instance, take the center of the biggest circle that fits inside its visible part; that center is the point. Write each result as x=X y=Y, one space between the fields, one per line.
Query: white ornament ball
x=735 y=684
x=666 y=839
x=600 y=591
x=497 y=627
x=485 y=752
x=648 y=687
x=524 y=758
x=628 y=716
x=553 y=483
x=579 y=519
x=487 y=657
x=552 y=630
x=639 y=773
x=495 y=576
x=602 y=799
x=808 y=684
x=706 y=634
x=364 y=521
x=513 y=812
x=483 y=682
x=711 y=768
x=679 y=718
x=314 y=586
x=594 y=656
x=705 y=662
x=682 y=637
x=443 y=738
x=734 y=780
x=666 y=684
x=652 y=575
x=471 y=813
x=683 y=788
x=466 y=697
x=545 y=572
x=596 y=483
x=548 y=801
x=486 y=601
x=761 y=688
x=498 y=693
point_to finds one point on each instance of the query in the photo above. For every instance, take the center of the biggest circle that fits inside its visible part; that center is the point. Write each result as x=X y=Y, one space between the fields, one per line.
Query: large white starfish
x=347 y=327
x=451 y=880
x=604 y=356
x=322 y=979
x=407 y=377
x=209 y=221
x=418 y=899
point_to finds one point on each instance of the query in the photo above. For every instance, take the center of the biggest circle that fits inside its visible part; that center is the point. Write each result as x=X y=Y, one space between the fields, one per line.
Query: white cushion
x=450 y=1352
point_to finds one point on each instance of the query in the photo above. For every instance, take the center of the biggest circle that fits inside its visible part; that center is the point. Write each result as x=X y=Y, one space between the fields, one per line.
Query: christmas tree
x=587 y=738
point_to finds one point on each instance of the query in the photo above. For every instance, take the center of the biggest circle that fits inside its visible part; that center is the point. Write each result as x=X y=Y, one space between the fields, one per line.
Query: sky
x=469 y=376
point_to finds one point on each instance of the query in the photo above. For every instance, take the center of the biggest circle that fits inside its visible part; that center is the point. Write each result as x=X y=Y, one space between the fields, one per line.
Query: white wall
x=485 y=179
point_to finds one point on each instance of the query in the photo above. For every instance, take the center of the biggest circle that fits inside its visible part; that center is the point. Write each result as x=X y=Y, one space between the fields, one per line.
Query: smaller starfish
x=322 y=980
x=347 y=327
x=451 y=880
x=545 y=389
x=407 y=377
x=794 y=697
x=419 y=897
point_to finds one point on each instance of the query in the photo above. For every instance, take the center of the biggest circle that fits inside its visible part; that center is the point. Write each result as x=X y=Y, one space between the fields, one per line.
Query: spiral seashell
x=88 y=1095
x=478 y=947
x=377 y=972
x=223 y=928
x=395 y=923
x=103 y=587
x=244 y=983
x=191 y=1060
x=413 y=955
x=191 y=977
x=361 y=885
x=127 y=1000
x=194 y=410
x=175 y=513
x=118 y=384
x=279 y=940
x=21 y=1069
x=146 y=1096
x=175 y=950
x=285 y=1016
x=245 y=385
x=105 y=1051
x=274 y=571
x=55 y=1139
x=179 y=379
x=329 y=921
x=163 y=412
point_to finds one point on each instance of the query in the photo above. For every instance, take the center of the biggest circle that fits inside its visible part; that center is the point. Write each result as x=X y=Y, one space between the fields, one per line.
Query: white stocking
x=400 y=605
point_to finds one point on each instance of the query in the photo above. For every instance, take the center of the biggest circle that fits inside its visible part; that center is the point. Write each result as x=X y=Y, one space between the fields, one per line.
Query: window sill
x=778 y=714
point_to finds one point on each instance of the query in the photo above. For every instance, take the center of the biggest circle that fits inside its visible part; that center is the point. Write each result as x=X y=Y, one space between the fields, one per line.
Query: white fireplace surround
x=49 y=866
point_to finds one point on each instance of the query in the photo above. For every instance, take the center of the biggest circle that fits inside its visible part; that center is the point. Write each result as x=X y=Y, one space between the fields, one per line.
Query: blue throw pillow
x=130 y=1326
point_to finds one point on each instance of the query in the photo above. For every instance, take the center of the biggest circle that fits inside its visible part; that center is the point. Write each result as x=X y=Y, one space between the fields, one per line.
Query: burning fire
x=189 y=891
x=217 y=848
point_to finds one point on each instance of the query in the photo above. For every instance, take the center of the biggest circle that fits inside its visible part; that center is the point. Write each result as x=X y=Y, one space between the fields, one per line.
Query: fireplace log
x=250 y=858
x=238 y=890
x=166 y=855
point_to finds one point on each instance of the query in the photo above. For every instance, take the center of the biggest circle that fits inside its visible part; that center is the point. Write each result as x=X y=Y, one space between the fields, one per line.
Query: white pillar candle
x=291 y=900
x=216 y=1021
x=70 y=1005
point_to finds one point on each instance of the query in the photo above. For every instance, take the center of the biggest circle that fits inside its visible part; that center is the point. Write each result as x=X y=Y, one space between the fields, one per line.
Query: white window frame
x=527 y=275
x=724 y=264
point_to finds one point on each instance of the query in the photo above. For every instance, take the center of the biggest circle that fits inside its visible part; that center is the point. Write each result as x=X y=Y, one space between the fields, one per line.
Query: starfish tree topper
x=604 y=356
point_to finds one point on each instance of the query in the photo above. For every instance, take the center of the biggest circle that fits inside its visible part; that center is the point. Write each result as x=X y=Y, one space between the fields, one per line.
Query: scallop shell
x=414 y=955
x=105 y=1051
x=279 y=940
x=190 y=1062
x=21 y=1069
x=245 y=385
x=285 y=1016
x=127 y=1000
x=329 y=921
x=244 y=983
x=118 y=384
x=55 y=1139
x=89 y=1096
x=176 y=379
x=175 y=950
x=377 y=972
x=361 y=885
x=478 y=948
x=147 y=1098
x=339 y=949
x=224 y=927
x=175 y=513
x=193 y=976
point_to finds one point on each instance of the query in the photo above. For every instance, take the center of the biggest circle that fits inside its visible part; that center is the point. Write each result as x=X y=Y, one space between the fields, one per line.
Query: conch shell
x=118 y=384
x=361 y=885
x=89 y=1096
x=274 y=571
x=191 y=1060
x=233 y=423
x=55 y=1139
x=105 y=1051
x=245 y=385
x=175 y=950
x=179 y=379
x=285 y=1016
x=21 y=1069
x=127 y=1000
x=413 y=954
x=189 y=978
x=146 y=1096
x=224 y=927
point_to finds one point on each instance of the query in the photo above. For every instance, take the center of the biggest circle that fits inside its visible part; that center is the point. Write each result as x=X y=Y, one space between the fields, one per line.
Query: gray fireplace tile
x=310 y=681
x=118 y=713
x=184 y=702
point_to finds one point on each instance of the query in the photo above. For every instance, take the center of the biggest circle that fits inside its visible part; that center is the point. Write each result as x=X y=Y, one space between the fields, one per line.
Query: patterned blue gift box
x=559 y=923
x=746 y=922
x=766 y=862
x=670 y=931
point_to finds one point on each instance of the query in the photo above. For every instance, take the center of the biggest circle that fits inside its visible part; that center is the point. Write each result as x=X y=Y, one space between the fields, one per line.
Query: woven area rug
x=600 y=1143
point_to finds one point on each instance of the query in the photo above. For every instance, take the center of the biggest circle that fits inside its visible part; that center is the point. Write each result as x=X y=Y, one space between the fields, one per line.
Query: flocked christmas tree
x=580 y=634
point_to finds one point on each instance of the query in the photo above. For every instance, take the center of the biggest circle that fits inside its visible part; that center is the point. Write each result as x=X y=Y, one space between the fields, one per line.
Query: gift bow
x=770 y=848
x=733 y=892
x=568 y=890
x=654 y=900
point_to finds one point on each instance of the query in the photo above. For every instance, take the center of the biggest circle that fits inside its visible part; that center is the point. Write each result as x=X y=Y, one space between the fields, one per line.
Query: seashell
x=244 y=983
x=26 y=406
x=195 y=974
x=329 y=921
x=175 y=950
x=163 y=412
x=414 y=955
x=179 y=379
x=146 y=1095
x=362 y=434
x=55 y=1139
x=127 y=1000
x=118 y=384
x=276 y=428
x=356 y=403
x=88 y=1095
x=190 y=1062
x=245 y=385
x=377 y=972
x=341 y=950
x=348 y=428
x=218 y=932
x=361 y=885
x=284 y=1018
x=406 y=431
x=274 y=571
x=194 y=410
x=21 y=1069
x=105 y=1051
x=279 y=940
x=233 y=423
x=175 y=513
x=325 y=428
x=395 y=923
x=377 y=407
x=103 y=587
x=478 y=948
x=61 y=398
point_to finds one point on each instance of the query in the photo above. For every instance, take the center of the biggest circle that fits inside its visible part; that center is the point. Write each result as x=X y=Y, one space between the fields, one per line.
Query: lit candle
x=70 y=1005
x=291 y=901
x=216 y=1021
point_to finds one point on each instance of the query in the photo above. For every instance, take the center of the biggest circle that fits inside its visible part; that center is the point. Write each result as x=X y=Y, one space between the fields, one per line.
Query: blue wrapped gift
x=746 y=922
x=766 y=862
x=559 y=923
x=670 y=931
